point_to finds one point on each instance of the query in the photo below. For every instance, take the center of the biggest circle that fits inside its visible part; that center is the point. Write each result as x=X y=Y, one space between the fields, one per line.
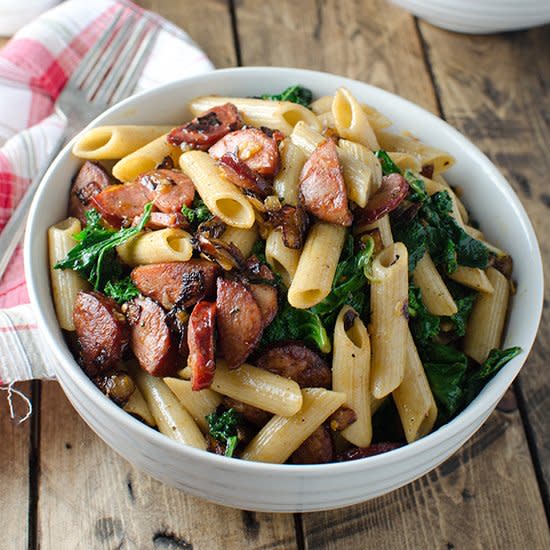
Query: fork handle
x=15 y=228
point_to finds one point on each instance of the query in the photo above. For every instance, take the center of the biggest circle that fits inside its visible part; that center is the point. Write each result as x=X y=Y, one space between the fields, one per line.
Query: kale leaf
x=460 y=318
x=424 y=326
x=388 y=166
x=295 y=94
x=197 y=213
x=122 y=290
x=94 y=256
x=223 y=427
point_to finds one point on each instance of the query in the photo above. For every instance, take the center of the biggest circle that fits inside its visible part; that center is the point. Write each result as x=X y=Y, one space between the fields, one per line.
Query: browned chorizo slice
x=160 y=220
x=248 y=412
x=203 y=131
x=101 y=329
x=168 y=283
x=201 y=342
x=118 y=203
x=150 y=337
x=362 y=452
x=322 y=188
x=253 y=147
x=318 y=448
x=296 y=361
x=239 y=174
x=240 y=321
x=172 y=189
x=90 y=180
x=341 y=418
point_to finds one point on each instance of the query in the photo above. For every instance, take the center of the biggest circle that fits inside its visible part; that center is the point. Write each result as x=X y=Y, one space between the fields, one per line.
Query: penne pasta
x=222 y=197
x=486 y=322
x=472 y=277
x=66 y=283
x=405 y=161
x=281 y=436
x=350 y=373
x=151 y=247
x=137 y=406
x=312 y=281
x=115 y=142
x=287 y=181
x=388 y=327
x=243 y=239
x=361 y=153
x=282 y=260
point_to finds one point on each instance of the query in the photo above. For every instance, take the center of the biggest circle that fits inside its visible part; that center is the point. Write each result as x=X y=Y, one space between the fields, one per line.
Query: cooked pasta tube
x=258 y=387
x=428 y=155
x=312 y=281
x=350 y=373
x=382 y=225
x=66 y=283
x=486 y=322
x=145 y=158
x=361 y=153
x=405 y=161
x=222 y=197
x=327 y=119
x=243 y=239
x=283 y=260
x=287 y=181
x=388 y=328
x=199 y=403
x=306 y=138
x=137 y=406
x=472 y=277
x=351 y=120
x=281 y=436
x=278 y=115
x=170 y=415
x=413 y=398
x=115 y=142
x=151 y=247
x=322 y=104
x=435 y=294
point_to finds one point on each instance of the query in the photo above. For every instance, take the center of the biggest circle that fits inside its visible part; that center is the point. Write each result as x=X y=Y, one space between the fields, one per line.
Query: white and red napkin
x=34 y=67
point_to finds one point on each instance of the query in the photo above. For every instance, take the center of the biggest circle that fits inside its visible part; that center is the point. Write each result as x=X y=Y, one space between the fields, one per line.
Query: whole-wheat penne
x=282 y=260
x=66 y=283
x=287 y=180
x=486 y=322
x=115 y=142
x=151 y=247
x=350 y=373
x=281 y=436
x=388 y=326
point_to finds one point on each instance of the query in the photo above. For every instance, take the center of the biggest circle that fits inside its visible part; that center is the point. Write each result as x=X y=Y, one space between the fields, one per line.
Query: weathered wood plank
x=14 y=472
x=496 y=90
x=92 y=498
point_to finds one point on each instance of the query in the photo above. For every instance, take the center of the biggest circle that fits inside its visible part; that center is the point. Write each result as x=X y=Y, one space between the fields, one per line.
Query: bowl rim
x=139 y=431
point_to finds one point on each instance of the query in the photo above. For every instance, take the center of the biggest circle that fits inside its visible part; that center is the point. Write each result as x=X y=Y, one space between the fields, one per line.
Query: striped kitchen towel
x=34 y=67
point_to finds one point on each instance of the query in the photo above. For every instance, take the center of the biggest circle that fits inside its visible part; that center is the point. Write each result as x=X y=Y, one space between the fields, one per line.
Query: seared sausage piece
x=264 y=293
x=322 y=188
x=160 y=220
x=253 y=147
x=240 y=321
x=362 y=452
x=296 y=361
x=318 y=448
x=239 y=174
x=168 y=283
x=150 y=337
x=118 y=203
x=248 y=412
x=172 y=189
x=101 y=329
x=203 y=131
x=90 y=180
x=341 y=418
x=201 y=342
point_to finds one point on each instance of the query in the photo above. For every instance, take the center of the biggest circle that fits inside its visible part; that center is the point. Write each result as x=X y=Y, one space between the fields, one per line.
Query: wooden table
x=61 y=487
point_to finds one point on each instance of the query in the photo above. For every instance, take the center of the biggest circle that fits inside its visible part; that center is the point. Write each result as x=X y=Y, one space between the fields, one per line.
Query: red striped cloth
x=34 y=67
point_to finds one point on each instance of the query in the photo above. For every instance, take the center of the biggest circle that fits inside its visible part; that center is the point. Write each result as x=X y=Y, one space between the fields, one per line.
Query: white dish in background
x=290 y=488
x=13 y=15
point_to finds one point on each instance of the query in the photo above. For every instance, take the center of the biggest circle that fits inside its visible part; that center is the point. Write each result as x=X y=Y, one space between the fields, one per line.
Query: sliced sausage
x=101 y=329
x=296 y=361
x=240 y=321
x=201 y=342
x=118 y=203
x=172 y=189
x=362 y=452
x=322 y=188
x=251 y=414
x=160 y=220
x=265 y=293
x=169 y=283
x=341 y=418
x=239 y=174
x=203 y=131
x=255 y=148
x=178 y=322
x=90 y=180
x=150 y=337
x=318 y=448
x=293 y=222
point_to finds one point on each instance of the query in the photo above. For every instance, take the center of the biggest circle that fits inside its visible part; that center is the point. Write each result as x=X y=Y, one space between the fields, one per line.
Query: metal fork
x=107 y=74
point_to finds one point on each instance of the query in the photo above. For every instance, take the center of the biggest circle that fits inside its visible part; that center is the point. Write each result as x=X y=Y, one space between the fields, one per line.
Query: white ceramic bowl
x=288 y=488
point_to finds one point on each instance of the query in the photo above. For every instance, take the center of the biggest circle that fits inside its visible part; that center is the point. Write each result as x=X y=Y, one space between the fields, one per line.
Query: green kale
x=424 y=326
x=223 y=427
x=94 y=256
x=122 y=290
x=414 y=236
x=460 y=318
x=258 y=250
x=197 y=213
x=417 y=189
x=388 y=166
x=295 y=94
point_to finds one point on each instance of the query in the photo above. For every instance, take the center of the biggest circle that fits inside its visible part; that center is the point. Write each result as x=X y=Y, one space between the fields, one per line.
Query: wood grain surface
x=492 y=493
